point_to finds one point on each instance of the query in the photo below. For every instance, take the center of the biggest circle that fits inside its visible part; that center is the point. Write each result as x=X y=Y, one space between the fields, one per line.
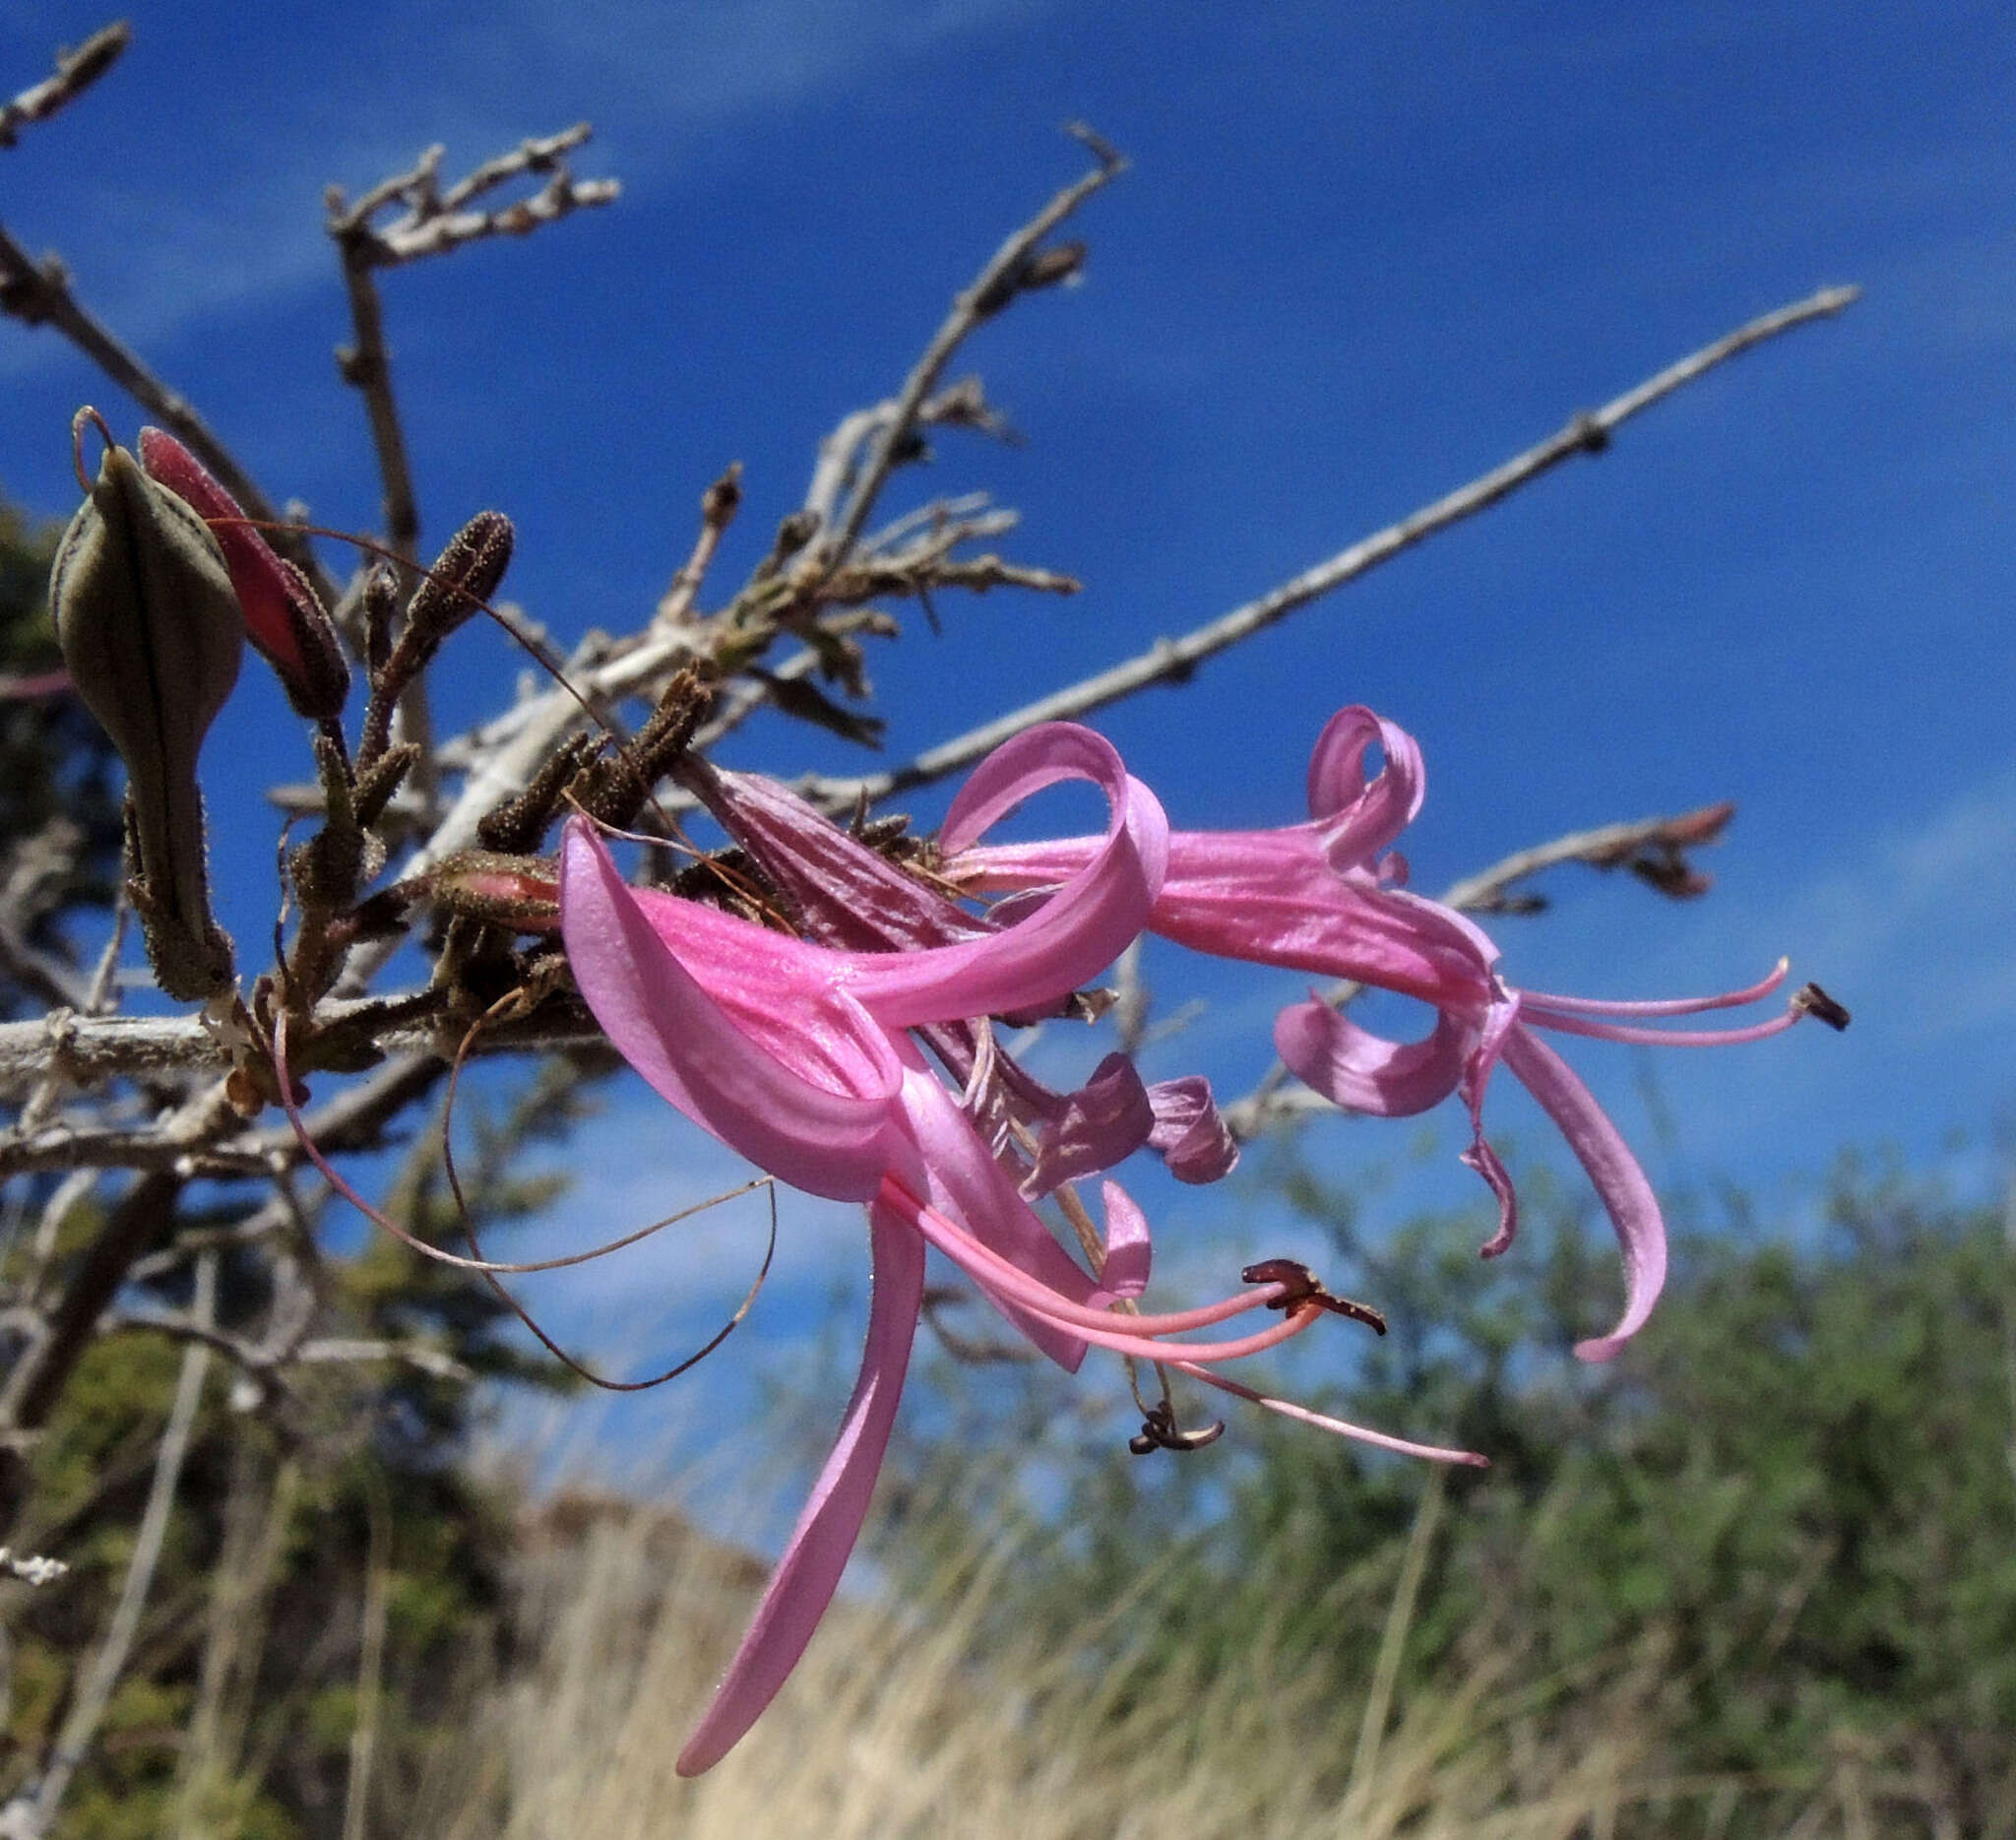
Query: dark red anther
x=1299 y=1286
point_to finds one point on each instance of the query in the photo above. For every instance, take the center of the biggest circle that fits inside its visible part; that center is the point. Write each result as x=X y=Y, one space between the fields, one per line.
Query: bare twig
x=102 y=1675
x=76 y=72
x=1651 y=846
x=38 y=293
x=717 y=507
x=1008 y=272
x=436 y=220
x=1172 y=660
x=197 y=1140
x=367 y=366
x=431 y=225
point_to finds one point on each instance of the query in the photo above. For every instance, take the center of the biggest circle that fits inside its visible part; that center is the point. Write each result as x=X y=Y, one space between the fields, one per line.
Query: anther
x=1300 y=1286
x=1810 y=1000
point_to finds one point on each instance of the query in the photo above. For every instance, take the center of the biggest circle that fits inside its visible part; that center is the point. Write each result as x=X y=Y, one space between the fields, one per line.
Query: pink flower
x=1323 y=896
x=284 y=619
x=845 y=894
x=798 y=1056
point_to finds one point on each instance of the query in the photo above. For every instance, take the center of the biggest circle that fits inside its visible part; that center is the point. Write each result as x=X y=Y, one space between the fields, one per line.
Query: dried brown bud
x=466 y=574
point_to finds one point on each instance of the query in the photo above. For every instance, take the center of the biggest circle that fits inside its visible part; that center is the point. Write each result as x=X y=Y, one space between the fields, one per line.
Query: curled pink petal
x=1359 y=820
x=1190 y=1133
x=666 y=1025
x=1484 y=1055
x=1129 y=1248
x=1615 y=1172
x=1365 y=1072
x=1323 y=896
x=1105 y=1121
x=1091 y=919
x=817 y=1552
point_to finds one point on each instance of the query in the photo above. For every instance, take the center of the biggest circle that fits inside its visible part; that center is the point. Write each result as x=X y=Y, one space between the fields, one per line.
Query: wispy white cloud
x=695 y=64
x=234 y=217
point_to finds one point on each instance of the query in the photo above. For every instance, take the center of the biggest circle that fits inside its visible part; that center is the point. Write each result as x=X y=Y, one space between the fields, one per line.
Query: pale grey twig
x=1607 y=847
x=38 y=293
x=1171 y=661
x=431 y=225
x=76 y=72
x=435 y=220
x=717 y=507
x=992 y=289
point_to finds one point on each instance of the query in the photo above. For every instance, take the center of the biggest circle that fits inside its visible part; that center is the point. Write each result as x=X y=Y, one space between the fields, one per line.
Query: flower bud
x=284 y=619
x=152 y=632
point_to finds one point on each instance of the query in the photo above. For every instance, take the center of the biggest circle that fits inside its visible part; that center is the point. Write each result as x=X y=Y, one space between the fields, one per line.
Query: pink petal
x=817 y=1552
x=1484 y=1055
x=1357 y=820
x=1128 y=1247
x=1365 y=1072
x=665 y=1024
x=1619 y=1181
x=1190 y=1133
x=961 y=1180
x=264 y=589
x=1075 y=934
x=1103 y=1123
x=850 y=896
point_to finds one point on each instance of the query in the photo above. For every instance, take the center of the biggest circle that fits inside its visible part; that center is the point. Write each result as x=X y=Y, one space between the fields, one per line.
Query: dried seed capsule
x=152 y=632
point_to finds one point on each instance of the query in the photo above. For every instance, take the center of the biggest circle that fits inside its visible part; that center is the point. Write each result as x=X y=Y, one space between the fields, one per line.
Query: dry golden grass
x=897 y=1723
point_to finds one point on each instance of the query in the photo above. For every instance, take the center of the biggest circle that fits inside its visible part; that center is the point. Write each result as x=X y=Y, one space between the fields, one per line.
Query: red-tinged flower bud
x=153 y=634
x=522 y=893
x=284 y=619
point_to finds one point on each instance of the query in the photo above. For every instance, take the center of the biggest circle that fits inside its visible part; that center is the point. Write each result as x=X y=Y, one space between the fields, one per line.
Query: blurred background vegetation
x=1758 y=1577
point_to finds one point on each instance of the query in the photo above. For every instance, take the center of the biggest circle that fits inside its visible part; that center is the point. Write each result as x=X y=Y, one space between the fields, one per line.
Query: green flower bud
x=152 y=632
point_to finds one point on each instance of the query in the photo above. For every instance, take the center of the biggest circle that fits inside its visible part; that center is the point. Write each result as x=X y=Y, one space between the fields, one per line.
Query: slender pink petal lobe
x=817 y=1552
x=1320 y=897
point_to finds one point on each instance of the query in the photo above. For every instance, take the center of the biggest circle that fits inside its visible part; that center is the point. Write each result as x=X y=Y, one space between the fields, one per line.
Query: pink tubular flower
x=1323 y=896
x=798 y=1056
x=284 y=619
x=844 y=894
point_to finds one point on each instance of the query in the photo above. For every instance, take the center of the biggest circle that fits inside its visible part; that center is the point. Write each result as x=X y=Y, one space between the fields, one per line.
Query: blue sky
x=1363 y=253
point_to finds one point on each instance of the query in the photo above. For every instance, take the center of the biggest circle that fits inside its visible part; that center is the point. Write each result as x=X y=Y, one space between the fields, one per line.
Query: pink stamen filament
x=1658 y=1038
x=1140 y=1336
x=1340 y=1427
x=1663 y=1006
